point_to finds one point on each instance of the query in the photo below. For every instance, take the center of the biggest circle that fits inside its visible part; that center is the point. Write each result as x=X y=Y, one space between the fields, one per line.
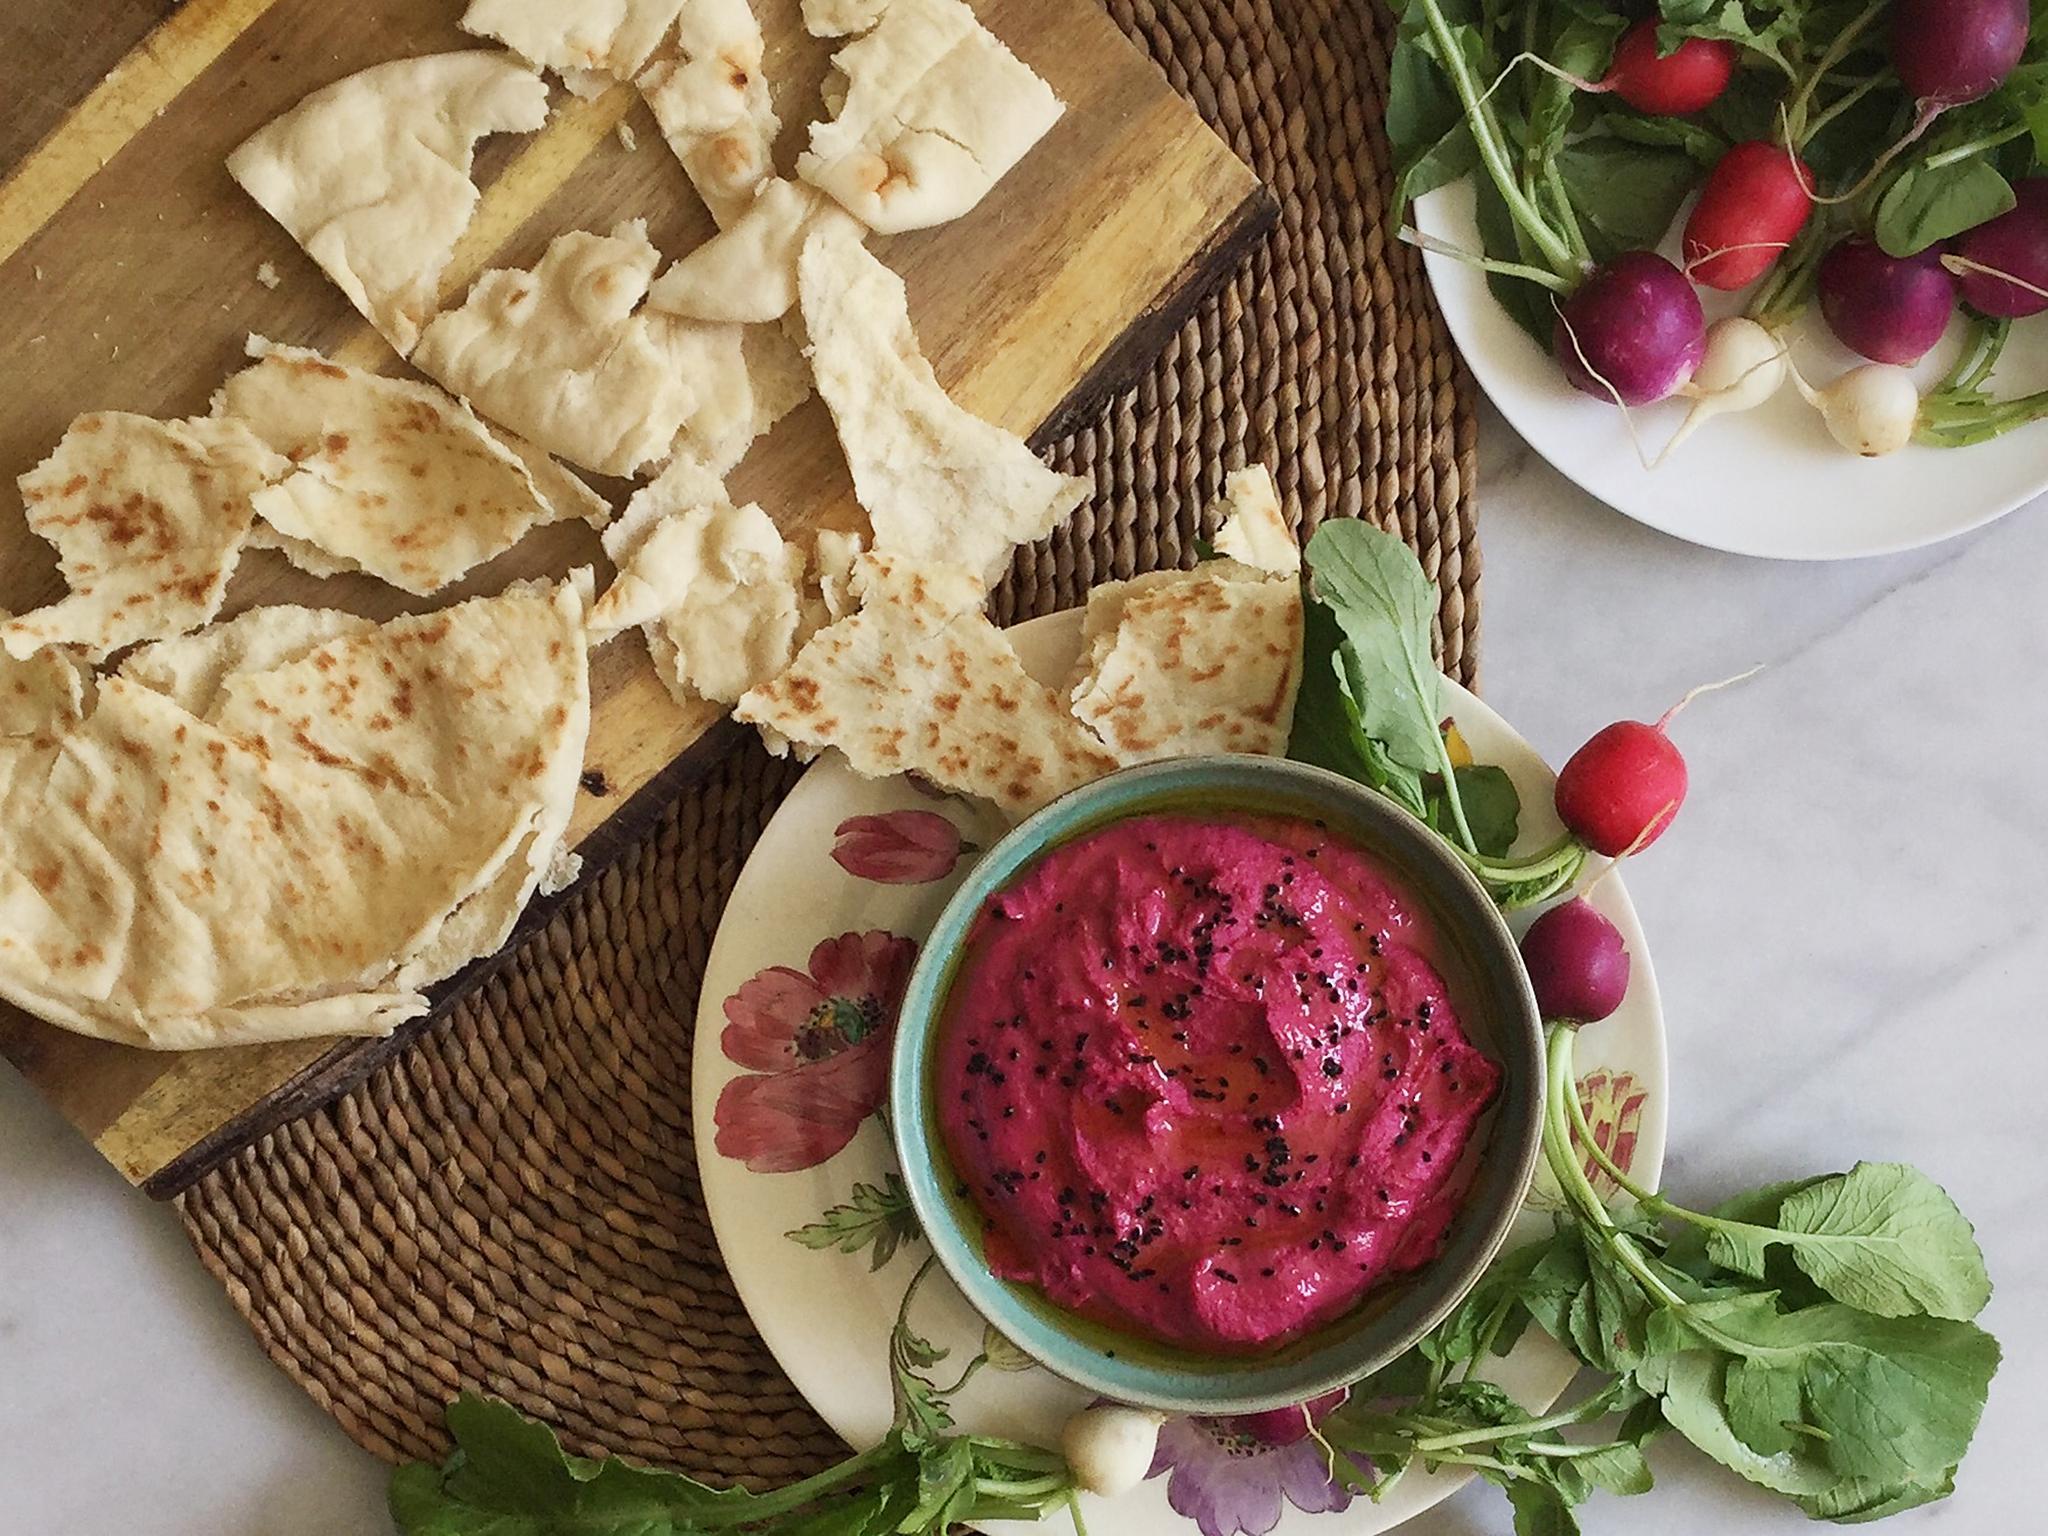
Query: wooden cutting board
x=129 y=277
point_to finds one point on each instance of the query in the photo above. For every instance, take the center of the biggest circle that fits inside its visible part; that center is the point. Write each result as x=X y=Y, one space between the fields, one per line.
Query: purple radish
x=2005 y=262
x=1948 y=52
x=1892 y=309
x=1633 y=332
x=1577 y=963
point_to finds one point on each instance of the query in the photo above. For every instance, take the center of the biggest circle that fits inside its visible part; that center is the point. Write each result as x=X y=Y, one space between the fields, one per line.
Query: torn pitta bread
x=392 y=477
x=840 y=18
x=295 y=861
x=919 y=681
x=190 y=669
x=586 y=42
x=371 y=173
x=560 y=356
x=935 y=111
x=148 y=519
x=746 y=274
x=45 y=694
x=715 y=583
x=1182 y=663
x=834 y=554
x=1254 y=530
x=938 y=483
x=710 y=98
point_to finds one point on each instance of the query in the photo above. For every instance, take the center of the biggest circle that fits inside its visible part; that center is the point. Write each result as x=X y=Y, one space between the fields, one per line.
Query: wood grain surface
x=128 y=264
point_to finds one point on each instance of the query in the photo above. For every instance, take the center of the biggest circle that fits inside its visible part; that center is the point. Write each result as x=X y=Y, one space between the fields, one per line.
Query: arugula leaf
x=1697 y=139
x=1626 y=194
x=1883 y=1237
x=1384 y=606
x=1926 y=206
x=1328 y=730
x=1540 y=1509
x=1893 y=1399
x=1859 y=1500
x=1691 y=1391
x=1493 y=808
x=878 y=1217
x=1619 y=1468
x=1887 y=1239
x=1529 y=305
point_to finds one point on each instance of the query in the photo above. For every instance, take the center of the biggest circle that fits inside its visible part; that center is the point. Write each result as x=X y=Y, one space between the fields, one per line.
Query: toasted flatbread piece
x=711 y=100
x=746 y=274
x=148 y=519
x=717 y=590
x=45 y=694
x=840 y=18
x=584 y=41
x=1182 y=663
x=939 y=483
x=371 y=173
x=919 y=681
x=560 y=356
x=1254 y=530
x=392 y=477
x=299 y=858
x=936 y=110
x=191 y=669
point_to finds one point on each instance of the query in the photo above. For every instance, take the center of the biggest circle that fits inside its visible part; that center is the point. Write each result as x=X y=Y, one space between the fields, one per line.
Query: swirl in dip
x=1203 y=1080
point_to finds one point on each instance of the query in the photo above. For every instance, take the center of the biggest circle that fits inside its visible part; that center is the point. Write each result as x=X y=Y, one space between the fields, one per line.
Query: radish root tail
x=1627 y=420
x=1923 y=119
x=1694 y=262
x=1670 y=714
x=1962 y=266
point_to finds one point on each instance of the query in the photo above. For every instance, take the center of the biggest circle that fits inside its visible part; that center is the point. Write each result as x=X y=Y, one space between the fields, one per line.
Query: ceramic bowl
x=1497 y=1010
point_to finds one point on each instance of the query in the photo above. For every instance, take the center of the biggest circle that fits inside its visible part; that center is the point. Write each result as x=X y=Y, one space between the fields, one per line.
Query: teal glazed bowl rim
x=1498 y=1010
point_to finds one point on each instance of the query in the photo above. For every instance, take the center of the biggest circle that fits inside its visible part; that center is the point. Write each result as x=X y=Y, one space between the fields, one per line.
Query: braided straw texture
x=512 y=1205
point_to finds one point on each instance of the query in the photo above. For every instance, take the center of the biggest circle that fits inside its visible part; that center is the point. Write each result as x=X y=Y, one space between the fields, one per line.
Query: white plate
x=827 y=1316
x=1766 y=482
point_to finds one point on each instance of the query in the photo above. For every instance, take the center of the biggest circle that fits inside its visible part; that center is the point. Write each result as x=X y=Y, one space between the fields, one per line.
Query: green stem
x=1559 y=1087
x=1560 y=1420
x=1492 y=152
x=1836 y=108
x=1553 y=180
x=1527 y=273
x=1962 y=152
x=768 y=1506
x=1795 y=112
x=1037 y=1488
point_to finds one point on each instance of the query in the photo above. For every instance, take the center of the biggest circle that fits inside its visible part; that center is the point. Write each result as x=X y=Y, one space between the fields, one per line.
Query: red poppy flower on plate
x=817 y=1044
x=900 y=848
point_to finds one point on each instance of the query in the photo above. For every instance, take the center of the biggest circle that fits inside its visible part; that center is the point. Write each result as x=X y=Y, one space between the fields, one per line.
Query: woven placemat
x=512 y=1205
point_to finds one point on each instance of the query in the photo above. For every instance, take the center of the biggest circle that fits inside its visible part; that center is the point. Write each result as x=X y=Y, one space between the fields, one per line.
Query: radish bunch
x=1875 y=161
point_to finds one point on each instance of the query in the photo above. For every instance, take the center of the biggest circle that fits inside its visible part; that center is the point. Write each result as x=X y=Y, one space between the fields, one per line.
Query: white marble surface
x=1847 y=922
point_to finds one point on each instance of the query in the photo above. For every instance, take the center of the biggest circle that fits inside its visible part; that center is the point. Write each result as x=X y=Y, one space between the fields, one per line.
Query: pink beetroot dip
x=1204 y=1082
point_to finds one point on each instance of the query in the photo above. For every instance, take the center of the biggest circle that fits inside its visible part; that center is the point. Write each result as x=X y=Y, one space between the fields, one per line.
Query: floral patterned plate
x=793 y=1038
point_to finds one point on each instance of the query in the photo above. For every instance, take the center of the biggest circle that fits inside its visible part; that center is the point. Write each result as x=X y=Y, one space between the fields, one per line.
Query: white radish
x=1109 y=1448
x=1870 y=410
x=1744 y=366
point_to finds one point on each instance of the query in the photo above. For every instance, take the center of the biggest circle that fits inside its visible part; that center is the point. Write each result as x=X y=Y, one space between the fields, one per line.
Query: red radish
x=1632 y=332
x=1755 y=201
x=1892 y=309
x=1622 y=788
x=1948 y=52
x=1577 y=963
x=1689 y=79
x=2012 y=246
